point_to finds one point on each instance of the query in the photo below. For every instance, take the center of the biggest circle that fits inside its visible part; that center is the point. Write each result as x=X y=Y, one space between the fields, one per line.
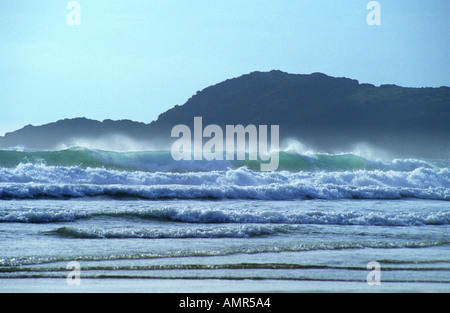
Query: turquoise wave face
x=85 y=158
x=76 y=173
x=70 y=157
x=162 y=161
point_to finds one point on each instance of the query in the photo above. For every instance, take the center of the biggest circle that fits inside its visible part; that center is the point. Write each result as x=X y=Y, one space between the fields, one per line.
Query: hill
x=325 y=113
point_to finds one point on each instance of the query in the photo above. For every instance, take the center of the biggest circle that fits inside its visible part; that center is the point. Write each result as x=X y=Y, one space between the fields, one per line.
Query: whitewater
x=76 y=173
x=140 y=221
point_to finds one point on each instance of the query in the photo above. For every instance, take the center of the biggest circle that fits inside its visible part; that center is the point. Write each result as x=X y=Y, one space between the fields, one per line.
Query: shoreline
x=125 y=285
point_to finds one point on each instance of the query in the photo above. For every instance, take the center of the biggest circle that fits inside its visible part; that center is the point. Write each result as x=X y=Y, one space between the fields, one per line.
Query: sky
x=136 y=59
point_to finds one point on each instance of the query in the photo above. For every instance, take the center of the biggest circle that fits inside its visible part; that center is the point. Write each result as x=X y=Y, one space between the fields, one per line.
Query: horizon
x=136 y=60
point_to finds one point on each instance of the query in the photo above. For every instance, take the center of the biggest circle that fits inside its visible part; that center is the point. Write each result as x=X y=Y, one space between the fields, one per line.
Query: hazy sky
x=134 y=59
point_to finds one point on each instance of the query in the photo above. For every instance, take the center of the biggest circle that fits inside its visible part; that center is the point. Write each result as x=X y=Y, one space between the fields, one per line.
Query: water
x=138 y=222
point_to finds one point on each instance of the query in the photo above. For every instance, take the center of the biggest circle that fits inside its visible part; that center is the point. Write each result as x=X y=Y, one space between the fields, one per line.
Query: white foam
x=39 y=180
x=208 y=215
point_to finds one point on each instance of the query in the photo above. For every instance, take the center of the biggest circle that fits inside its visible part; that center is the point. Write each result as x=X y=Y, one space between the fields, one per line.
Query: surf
x=151 y=175
x=161 y=160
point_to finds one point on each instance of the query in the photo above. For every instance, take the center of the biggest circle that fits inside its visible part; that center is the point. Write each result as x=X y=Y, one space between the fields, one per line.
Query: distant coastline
x=325 y=113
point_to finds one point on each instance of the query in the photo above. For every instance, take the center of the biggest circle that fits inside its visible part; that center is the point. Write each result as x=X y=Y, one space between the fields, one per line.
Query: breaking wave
x=229 y=216
x=76 y=173
x=162 y=161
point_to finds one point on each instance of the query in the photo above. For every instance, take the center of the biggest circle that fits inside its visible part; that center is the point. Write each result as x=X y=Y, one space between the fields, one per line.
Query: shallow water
x=288 y=242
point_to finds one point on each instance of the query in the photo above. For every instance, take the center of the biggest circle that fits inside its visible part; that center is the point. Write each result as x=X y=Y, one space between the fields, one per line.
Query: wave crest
x=229 y=216
x=162 y=161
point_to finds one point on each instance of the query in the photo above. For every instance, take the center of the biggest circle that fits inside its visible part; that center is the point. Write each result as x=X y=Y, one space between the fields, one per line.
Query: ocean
x=142 y=222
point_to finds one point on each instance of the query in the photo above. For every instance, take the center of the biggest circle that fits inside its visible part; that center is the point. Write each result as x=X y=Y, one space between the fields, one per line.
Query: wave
x=229 y=216
x=6 y=262
x=42 y=217
x=76 y=173
x=244 y=231
x=38 y=173
x=297 y=191
x=162 y=161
